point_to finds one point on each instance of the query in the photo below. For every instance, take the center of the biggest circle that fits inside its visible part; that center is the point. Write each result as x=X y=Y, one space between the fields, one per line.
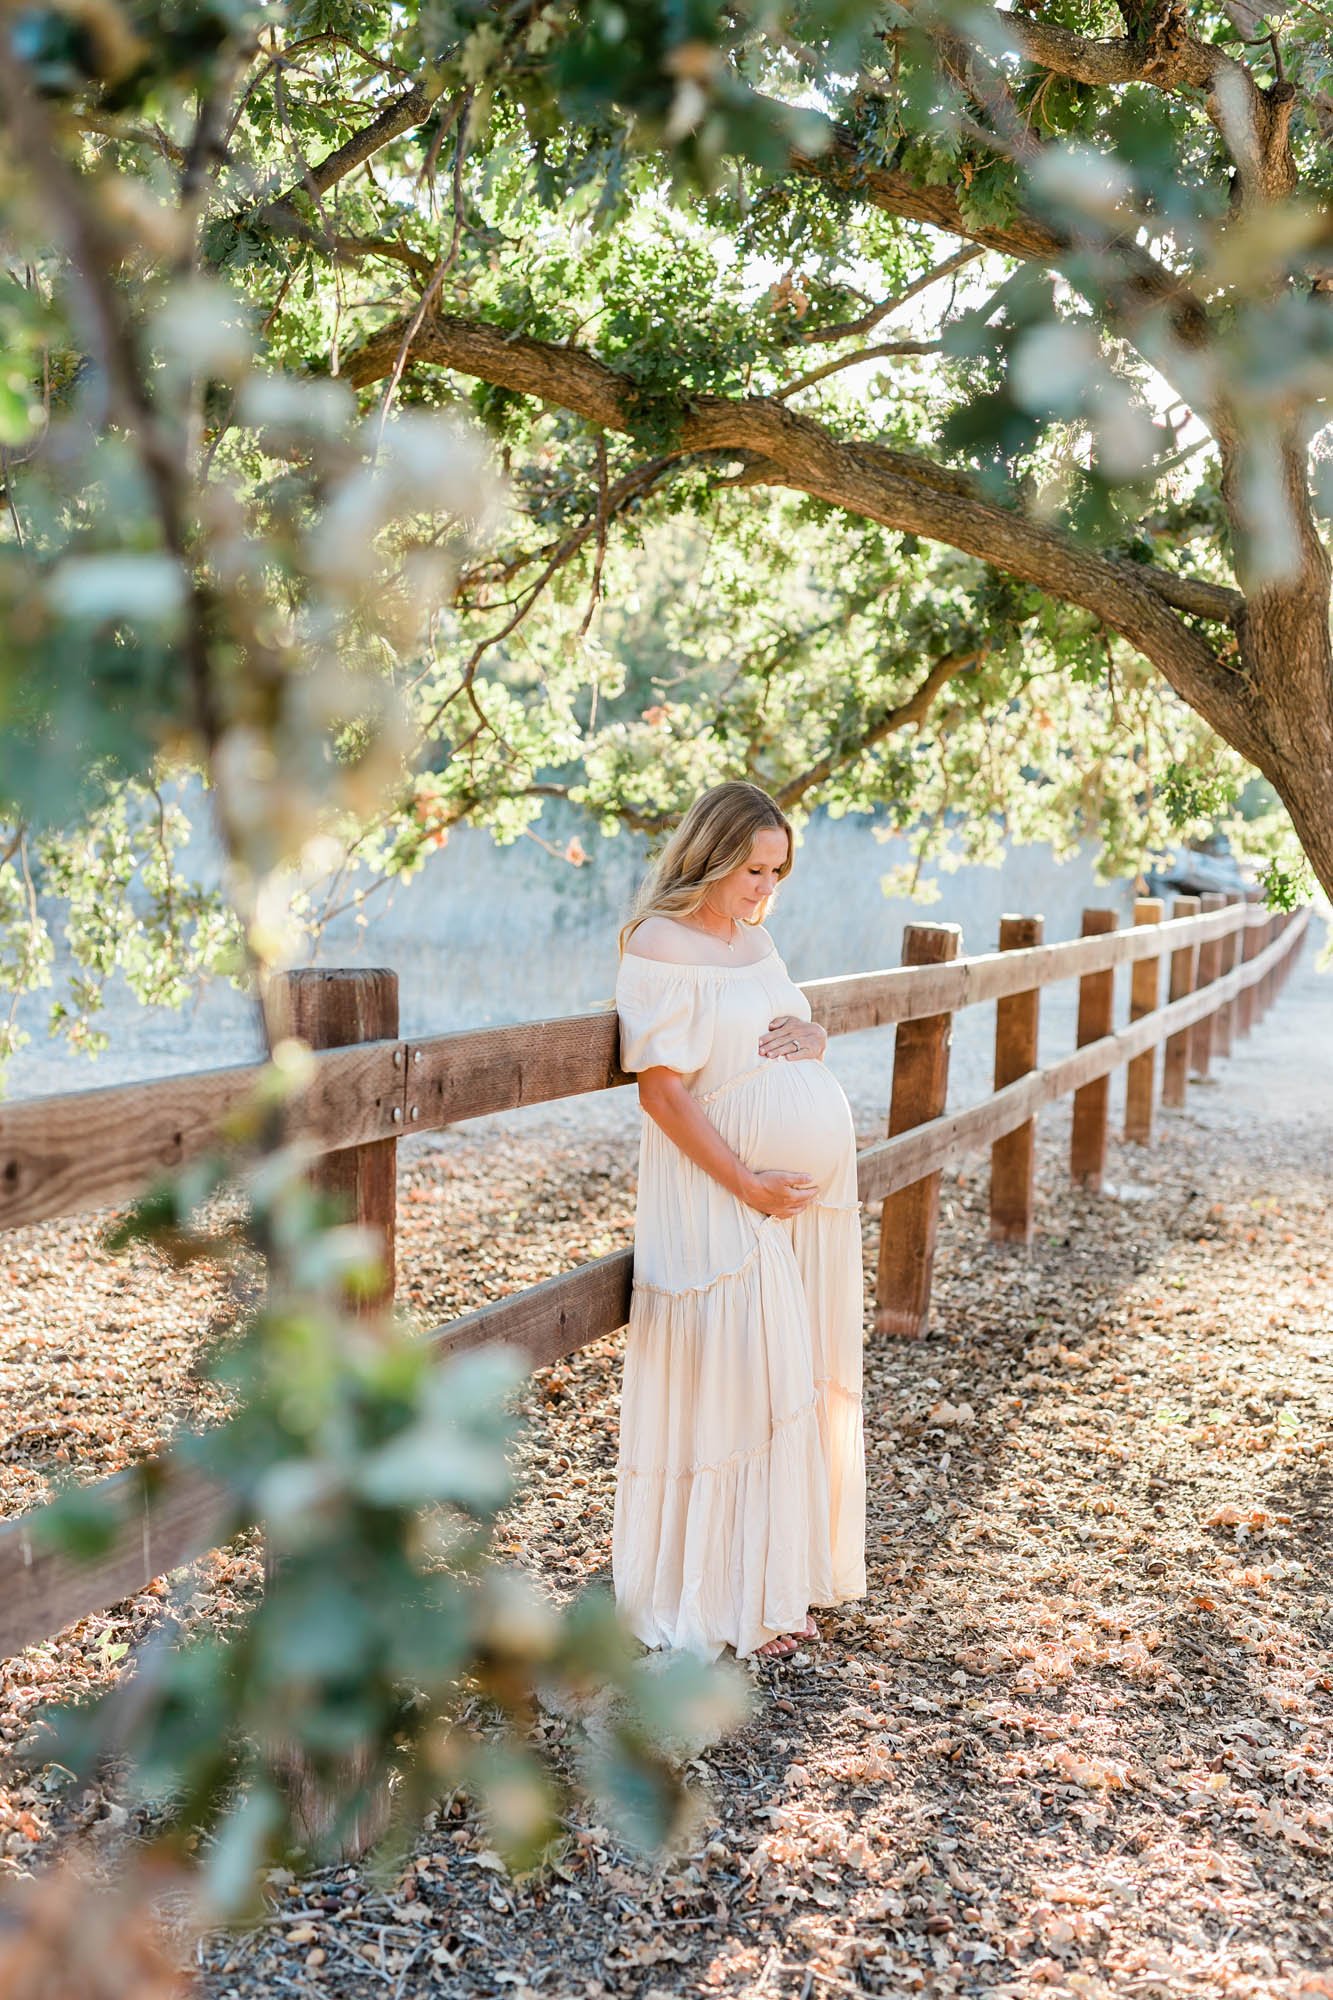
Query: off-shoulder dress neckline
x=672 y=965
x=676 y=965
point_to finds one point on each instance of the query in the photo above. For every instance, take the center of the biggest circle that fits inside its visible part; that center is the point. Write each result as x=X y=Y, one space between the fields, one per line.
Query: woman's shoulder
x=659 y=941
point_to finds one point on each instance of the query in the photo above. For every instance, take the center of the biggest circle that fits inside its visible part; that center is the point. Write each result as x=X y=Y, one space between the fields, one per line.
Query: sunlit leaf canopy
x=917 y=408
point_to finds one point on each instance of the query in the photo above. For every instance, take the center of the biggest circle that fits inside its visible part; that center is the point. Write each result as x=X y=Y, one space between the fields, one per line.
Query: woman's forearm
x=670 y=1106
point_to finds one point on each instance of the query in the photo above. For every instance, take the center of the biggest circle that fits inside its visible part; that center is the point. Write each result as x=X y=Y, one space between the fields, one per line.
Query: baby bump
x=786 y=1114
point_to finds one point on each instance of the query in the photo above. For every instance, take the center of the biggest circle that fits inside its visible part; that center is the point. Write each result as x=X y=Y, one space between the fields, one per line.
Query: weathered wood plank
x=1225 y=1018
x=164 y=1517
x=476 y=1071
x=1251 y=945
x=1145 y=987
x=330 y=1007
x=86 y=1148
x=909 y=1223
x=1096 y=1016
x=1184 y=968
x=1013 y=1160
x=550 y=1320
x=1203 y=1038
x=900 y=993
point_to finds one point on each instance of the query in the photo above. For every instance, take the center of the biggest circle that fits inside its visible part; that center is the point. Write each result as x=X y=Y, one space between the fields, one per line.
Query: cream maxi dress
x=740 y=1493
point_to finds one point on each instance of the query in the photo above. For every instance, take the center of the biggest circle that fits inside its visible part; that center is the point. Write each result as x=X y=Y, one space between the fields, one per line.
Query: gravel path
x=1078 y=1739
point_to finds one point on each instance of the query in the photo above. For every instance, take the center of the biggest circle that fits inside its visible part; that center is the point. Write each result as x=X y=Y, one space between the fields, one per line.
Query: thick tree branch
x=869 y=480
x=841 y=164
x=1141 y=284
x=1155 y=58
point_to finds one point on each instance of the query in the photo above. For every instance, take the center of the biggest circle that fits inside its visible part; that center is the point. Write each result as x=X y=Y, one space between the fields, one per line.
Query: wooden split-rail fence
x=1224 y=962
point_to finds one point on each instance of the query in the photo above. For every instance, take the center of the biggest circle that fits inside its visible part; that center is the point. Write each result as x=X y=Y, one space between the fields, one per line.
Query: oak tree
x=918 y=407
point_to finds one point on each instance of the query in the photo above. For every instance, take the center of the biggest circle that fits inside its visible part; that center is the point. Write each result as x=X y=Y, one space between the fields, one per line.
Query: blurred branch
x=867 y=323
x=93 y=255
x=391 y=247
x=1253 y=121
x=154 y=137
x=914 y=709
x=399 y=115
x=441 y=270
x=883 y=349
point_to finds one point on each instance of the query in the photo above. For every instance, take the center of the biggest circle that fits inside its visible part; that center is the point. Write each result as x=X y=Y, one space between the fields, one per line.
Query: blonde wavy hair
x=714 y=838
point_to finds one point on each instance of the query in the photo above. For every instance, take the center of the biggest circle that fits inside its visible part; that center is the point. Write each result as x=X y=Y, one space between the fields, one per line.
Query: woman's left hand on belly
x=789 y=1039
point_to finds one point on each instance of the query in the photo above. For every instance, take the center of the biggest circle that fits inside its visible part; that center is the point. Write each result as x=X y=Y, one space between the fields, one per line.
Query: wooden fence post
x=1013 y=1158
x=909 y=1219
x=1144 y=987
x=1263 y=992
x=1224 y=1025
x=1096 y=1017
x=1245 y=999
x=1184 y=969
x=1210 y=964
x=328 y=1009
x=1275 y=976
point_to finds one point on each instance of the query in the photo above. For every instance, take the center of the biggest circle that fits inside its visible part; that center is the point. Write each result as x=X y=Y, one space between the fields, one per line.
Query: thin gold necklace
x=730 y=942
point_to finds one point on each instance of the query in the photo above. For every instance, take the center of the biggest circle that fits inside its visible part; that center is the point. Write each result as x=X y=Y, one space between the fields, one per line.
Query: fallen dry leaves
x=1077 y=1741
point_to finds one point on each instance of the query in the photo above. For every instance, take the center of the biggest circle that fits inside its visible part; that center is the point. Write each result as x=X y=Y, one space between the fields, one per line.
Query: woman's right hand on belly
x=777 y=1193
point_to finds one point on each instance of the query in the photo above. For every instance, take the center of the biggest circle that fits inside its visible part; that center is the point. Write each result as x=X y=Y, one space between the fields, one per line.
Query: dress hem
x=713 y=1648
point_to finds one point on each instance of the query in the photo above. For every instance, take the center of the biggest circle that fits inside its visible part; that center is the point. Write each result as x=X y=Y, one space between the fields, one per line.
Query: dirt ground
x=1079 y=1737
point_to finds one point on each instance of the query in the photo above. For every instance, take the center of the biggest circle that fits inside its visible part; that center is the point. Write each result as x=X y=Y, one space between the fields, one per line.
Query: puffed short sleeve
x=667 y=1015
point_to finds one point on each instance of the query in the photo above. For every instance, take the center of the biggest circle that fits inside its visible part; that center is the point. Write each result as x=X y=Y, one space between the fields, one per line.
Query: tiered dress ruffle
x=740 y=1495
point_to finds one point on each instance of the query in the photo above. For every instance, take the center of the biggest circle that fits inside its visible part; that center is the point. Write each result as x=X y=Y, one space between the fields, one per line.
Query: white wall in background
x=487 y=934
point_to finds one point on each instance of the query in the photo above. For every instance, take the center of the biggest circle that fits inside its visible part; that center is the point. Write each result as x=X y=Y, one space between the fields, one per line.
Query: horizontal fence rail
x=61 y=1154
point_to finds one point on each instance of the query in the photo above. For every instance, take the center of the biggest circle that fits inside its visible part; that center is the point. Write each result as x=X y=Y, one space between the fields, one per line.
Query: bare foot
x=787 y=1643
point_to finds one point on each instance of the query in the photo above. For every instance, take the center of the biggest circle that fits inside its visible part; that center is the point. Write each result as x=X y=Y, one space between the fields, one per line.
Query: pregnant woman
x=740 y=1495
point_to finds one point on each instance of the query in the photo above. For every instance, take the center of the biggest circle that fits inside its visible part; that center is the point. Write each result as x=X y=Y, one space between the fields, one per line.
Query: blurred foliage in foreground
x=389 y=1648
x=213 y=564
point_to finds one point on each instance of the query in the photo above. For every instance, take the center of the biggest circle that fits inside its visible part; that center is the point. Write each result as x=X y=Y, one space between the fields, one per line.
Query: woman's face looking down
x=744 y=892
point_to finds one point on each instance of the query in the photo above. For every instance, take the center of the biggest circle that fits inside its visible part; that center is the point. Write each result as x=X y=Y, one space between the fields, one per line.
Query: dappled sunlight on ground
x=1079 y=1737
